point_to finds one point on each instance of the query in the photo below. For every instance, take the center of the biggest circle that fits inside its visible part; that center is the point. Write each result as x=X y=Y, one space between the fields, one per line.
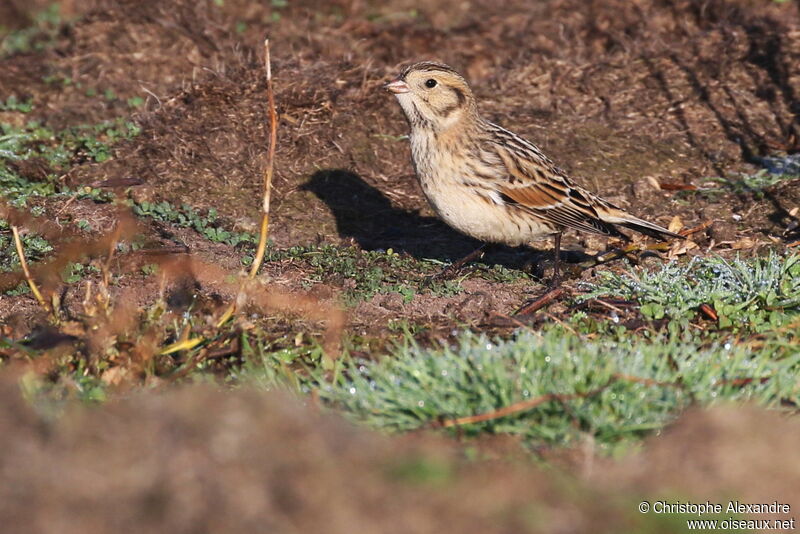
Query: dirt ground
x=635 y=99
x=199 y=460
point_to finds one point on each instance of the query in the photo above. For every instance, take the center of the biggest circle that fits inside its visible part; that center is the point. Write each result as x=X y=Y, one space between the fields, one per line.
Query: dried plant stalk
x=273 y=136
x=529 y=404
x=264 y=227
x=521 y=406
x=24 y=264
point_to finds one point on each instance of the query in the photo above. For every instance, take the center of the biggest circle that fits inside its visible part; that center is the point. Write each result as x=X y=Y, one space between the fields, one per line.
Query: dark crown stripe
x=428 y=66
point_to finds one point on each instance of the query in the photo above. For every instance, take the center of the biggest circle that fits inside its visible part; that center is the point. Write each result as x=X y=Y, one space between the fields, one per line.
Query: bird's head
x=433 y=95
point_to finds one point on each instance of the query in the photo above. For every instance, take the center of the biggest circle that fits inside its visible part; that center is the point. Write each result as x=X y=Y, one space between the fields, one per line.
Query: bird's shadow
x=366 y=215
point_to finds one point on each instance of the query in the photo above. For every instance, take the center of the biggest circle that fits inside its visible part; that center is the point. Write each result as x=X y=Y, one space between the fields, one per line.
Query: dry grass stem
x=273 y=136
x=263 y=233
x=533 y=403
x=24 y=264
x=529 y=404
x=523 y=406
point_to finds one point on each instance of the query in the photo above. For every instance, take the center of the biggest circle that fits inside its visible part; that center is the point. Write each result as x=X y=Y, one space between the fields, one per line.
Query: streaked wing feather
x=541 y=188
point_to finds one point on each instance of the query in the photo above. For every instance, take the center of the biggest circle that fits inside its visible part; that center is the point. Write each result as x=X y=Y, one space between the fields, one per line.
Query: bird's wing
x=536 y=185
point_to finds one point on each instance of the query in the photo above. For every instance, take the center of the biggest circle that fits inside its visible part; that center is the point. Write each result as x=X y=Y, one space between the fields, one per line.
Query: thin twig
x=740 y=382
x=533 y=403
x=617 y=377
x=523 y=406
x=24 y=264
x=540 y=302
x=563 y=325
x=702 y=226
x=273 y=136
x=607 y=305
x=509 y=320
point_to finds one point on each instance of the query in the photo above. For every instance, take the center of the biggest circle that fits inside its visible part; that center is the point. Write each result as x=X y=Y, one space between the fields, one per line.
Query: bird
x=488 y=182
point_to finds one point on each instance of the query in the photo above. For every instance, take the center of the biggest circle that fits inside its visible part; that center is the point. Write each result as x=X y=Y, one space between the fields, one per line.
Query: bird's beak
x=397 y=87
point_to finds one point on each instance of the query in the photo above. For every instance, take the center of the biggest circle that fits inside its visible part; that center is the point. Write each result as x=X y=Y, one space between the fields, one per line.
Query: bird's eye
x=430 y=83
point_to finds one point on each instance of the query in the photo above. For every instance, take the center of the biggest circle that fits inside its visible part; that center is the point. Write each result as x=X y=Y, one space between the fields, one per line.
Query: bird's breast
x=465 y=201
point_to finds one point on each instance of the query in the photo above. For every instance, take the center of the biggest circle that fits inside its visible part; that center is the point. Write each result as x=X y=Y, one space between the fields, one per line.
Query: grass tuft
x=780 y=170
x=748 y=295
x=638 y=385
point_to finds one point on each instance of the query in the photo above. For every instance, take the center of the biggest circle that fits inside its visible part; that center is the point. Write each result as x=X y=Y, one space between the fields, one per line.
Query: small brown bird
x=486 y=181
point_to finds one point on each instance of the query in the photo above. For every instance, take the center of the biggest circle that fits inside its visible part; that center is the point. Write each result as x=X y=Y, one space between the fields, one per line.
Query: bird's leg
x=454 y=267
x=556 y=281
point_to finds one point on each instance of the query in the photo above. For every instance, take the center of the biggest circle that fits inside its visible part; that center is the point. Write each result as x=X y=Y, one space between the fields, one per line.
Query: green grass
x=58 y=151
x=751 y=183
x=748 y=295
x=362 y=273
x=61 y=149
x=185 y=216
x=415 y=387
x=626 y=384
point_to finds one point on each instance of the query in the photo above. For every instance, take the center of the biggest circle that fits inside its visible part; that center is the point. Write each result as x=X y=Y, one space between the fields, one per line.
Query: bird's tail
x=623 y=218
